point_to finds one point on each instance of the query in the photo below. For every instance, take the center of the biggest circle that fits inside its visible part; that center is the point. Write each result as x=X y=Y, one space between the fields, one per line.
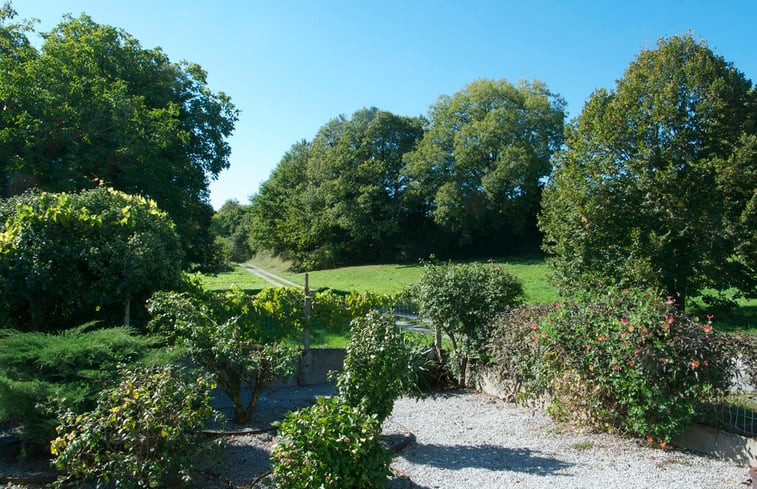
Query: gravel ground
x=466 y=439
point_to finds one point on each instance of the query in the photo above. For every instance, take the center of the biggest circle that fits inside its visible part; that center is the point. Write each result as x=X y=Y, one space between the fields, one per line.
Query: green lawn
x=533 y=272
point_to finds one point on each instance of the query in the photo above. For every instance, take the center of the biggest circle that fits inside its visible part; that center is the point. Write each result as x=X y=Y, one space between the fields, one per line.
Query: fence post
x=305 y=359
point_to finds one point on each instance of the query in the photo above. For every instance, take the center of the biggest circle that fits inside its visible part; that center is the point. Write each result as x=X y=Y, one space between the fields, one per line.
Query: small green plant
x=377 y=366
x=143 y=433
x=330 y=445
x=461 y=300
x=583 y=445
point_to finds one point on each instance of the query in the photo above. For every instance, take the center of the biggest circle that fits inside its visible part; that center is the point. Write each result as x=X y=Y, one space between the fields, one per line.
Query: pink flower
x=670 y=319
x=624 y=322
x=623 y=334
x=709 y=317
x=695 y=363
x=534 y=326
x=670 y=300
x=631 y=363
x=707 y=328
x=638 y=351
x=616 y=367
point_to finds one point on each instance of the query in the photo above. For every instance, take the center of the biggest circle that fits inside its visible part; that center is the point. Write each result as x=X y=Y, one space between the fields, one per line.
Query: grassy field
x=533 y=272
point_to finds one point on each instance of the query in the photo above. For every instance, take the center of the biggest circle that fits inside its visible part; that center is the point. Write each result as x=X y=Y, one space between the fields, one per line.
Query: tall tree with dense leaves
x=657 y=184
x=97 y=107
x=341 y=198
x=484 y=156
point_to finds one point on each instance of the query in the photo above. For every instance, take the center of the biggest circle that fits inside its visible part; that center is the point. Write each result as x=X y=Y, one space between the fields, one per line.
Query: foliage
x=342 y=197
x=514 y=356
x=485 y=152
x=232 y=224
x=144 y=433
x=461 y=300
x=630 y=361
x=330 y=445
x=72 y=366
x=225 y=335
x=94 y=106
x=109 y=249
x=657 y=185
x=377 y=365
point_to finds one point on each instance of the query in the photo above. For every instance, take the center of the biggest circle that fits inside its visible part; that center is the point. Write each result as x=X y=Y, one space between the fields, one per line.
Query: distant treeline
x=377 y=187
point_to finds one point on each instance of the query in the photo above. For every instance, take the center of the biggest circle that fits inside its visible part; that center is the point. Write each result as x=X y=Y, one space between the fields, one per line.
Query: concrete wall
x=314 y=367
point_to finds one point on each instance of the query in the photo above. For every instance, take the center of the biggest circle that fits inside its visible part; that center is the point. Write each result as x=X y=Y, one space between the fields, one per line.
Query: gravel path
x=466 y=439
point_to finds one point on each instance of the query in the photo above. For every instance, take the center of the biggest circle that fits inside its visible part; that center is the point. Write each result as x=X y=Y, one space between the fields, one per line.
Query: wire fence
x=737 y=419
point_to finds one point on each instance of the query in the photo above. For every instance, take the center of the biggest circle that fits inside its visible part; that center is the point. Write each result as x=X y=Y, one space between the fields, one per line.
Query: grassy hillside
x=533 y=272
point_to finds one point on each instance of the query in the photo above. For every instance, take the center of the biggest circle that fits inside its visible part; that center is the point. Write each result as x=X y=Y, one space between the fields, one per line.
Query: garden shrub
x=72 y=366
x=66 y=259
x=461 y=300
x=515 y=357
x=377 y=366
x=330 y=445
x=227 y=338
x=631 y=361
x=145 y=432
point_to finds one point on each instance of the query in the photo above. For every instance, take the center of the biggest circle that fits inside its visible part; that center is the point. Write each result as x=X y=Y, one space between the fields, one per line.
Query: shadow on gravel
x=490 y=457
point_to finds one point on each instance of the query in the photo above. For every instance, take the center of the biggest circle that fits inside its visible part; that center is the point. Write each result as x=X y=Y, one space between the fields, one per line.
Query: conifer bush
x=72 y=366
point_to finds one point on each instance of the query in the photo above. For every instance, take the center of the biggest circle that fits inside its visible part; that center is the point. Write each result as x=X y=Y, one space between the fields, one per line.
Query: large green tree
x=484 y=156
x=94 y=106
x=343 y=197
x=657 y=184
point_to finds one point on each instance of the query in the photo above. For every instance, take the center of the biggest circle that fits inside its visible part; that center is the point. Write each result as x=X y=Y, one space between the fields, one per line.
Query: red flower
x=670 y=319
x=707 y=328
x=624 y=322
x=709 y=317
x=616 y=367
x=638 y=351
x=623 y=334
x=534 y=326
x=695 y=363
x=591 y=367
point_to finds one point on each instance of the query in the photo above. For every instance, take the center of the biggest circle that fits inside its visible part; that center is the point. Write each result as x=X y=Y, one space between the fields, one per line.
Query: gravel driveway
x=465 y=439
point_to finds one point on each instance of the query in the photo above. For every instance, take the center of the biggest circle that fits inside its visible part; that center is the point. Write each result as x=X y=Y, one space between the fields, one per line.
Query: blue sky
x=290 y=66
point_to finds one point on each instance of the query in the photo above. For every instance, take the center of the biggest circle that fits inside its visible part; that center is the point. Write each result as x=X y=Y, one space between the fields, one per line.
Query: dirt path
x=269 y=277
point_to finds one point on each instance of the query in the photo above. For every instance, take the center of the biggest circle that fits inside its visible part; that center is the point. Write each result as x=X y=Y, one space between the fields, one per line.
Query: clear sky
x=291 y=66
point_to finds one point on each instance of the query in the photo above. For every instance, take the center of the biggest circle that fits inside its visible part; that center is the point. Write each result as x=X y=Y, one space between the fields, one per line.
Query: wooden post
x=308 y=308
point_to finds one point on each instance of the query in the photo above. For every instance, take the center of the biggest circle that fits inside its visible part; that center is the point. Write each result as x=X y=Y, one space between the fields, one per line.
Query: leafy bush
x=330 y=445
x=110 y=249
x=377 y=366
x=225 y=336
x=461 y=300
x=628 y=360
x=143 y=433
x=72 y=366
x=514 y=355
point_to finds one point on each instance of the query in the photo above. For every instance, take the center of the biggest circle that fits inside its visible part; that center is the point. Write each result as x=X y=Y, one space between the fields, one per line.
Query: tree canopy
x=342 y=197
x=94 y=106
x=485 y=153
x=657 y=184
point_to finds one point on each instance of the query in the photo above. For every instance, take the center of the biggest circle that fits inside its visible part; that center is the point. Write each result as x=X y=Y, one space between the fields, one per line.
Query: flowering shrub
x=330 y=445
x=628 y=360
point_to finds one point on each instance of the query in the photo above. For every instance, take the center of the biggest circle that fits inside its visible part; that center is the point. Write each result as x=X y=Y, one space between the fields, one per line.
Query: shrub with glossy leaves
x=143 y=433
x=330 y=445
x=461 y=300
x=377 y=366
